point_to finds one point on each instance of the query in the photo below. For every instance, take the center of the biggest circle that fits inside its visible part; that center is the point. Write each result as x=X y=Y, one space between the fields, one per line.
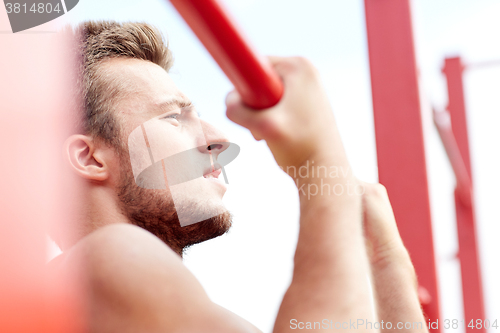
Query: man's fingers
x=244 y=116
x=379 y=220
x=236 y=111
x=275 y=59
x=292 y=65
x=377 y=205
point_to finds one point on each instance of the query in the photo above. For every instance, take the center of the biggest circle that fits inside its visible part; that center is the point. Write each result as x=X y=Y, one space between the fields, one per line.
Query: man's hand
x=394 y=279
x=301 y=126
x=383 y=242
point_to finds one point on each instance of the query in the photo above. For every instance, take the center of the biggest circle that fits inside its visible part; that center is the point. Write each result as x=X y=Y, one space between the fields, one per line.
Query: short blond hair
x=99 y=41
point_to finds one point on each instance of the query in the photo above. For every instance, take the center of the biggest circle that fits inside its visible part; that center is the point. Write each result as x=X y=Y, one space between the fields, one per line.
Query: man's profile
x=125 y=83
x=132 y=241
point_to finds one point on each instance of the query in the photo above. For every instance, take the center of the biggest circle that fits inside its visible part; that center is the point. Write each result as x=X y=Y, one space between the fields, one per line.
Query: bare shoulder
x=120 y=243
x=138 y=284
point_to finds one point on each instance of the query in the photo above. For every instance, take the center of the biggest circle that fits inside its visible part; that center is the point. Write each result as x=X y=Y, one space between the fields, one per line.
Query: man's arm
x=330 y=267
x=393 y=275
x=330 y=277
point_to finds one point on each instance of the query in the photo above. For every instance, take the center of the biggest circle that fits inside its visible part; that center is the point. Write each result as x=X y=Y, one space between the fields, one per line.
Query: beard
x=155 y=211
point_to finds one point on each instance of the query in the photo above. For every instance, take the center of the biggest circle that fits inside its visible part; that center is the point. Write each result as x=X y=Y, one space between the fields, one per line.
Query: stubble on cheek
x=155 y=211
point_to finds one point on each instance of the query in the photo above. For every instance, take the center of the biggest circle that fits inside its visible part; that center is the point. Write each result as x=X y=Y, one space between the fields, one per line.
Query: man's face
x=151 y=105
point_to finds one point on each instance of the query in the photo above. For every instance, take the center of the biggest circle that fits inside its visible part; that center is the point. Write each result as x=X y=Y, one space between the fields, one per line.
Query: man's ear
x=85 y=158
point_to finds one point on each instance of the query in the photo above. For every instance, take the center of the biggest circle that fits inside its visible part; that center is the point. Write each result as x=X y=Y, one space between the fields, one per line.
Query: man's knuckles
x=375 y=191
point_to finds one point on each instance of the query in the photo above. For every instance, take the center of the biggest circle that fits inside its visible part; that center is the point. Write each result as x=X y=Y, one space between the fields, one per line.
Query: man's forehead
x=141 y=77
x=145 y=87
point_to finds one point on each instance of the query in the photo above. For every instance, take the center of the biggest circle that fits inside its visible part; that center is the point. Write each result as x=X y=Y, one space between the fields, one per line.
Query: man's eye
x=172 y=116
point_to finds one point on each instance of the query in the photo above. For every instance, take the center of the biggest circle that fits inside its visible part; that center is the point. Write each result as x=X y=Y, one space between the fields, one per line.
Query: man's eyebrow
x=178 y=102
x=175 y=102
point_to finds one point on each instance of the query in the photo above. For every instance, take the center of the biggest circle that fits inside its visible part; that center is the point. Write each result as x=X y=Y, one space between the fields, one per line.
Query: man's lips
x=213 y=177
x=213 y=174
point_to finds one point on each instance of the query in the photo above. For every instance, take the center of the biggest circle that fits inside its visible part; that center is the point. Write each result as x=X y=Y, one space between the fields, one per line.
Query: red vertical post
x=399 y=135
x=35 y=95
x=468 y=253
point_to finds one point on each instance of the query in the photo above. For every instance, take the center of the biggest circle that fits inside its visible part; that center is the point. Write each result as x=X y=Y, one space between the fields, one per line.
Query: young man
x=130 y=237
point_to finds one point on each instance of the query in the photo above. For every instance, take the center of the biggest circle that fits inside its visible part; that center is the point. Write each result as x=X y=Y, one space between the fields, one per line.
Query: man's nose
x=216 y=141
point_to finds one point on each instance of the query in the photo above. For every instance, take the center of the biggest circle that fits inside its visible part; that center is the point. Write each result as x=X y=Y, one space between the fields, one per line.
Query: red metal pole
x=468 y=252
x=481 y=65
x=258 y=84
x=443 y=124
x=399 y=135
x=35 y=91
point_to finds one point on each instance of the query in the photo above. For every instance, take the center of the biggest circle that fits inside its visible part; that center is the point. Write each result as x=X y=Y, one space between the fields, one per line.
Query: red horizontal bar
x=443 y=125
x=258 y=84
x=484 y=64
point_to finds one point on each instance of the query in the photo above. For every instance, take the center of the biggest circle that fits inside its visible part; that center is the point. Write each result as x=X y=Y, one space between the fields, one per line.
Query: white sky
x=248 y=270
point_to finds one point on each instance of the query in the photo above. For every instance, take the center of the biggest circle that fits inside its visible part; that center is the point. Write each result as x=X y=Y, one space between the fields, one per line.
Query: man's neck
x=98 y=208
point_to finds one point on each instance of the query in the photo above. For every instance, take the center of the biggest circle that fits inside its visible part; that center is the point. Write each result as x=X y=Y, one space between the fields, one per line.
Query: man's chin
x=195 y=212
x=155 y=211
x=195 y=202
x=207 y=229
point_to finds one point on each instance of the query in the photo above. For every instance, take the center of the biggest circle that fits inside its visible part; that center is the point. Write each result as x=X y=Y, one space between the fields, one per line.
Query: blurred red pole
x=399 y=135
x=33 y=101
x=466 y=227
x=258 y=84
